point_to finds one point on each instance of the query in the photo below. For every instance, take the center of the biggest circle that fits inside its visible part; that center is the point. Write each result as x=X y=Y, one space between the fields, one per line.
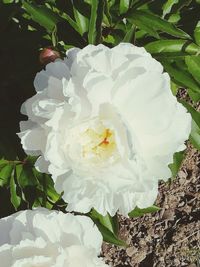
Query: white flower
x=43 y=238
x=106 y=126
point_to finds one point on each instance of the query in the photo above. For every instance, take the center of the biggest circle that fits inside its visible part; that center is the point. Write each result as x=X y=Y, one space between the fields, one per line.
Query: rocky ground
x=170 y=237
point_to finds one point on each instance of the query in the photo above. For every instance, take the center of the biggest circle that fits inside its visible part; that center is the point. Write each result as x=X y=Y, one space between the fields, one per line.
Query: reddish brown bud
x=48 y=54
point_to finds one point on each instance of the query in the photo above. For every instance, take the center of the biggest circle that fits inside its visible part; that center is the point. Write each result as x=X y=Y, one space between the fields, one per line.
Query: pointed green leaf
x=140 y=212
x=197 y=33
x=156 y=23
x=181 y=77
x=130 y=35
x=5 y=174
x=15 y=199
x=81 y=21
x=108 y=236
x=194 y=96
x=109 y=222
x=195 y=135
x=42 y=15
x=168 y=6
x=177 y=161
x=172 y=48
x=195 y=114
x=195 y=132
x=95 y=23
x=193 y=63
x=27 y=177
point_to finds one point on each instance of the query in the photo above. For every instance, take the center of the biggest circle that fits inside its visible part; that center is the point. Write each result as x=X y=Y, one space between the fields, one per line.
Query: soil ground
x=170 y=237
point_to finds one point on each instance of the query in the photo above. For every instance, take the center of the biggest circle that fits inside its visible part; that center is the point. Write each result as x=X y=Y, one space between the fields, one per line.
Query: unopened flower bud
x=48 y=54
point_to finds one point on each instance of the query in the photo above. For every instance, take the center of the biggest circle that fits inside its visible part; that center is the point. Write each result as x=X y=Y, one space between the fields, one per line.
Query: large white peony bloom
x=43 y=238
x=106 y=126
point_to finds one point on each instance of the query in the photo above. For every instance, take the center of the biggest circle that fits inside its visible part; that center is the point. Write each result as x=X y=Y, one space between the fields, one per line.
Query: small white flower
x=106 y=126
x=43 y=238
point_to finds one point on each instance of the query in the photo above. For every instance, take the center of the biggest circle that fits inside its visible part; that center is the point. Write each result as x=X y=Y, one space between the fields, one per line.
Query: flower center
x=92 y=143
x=100 y=145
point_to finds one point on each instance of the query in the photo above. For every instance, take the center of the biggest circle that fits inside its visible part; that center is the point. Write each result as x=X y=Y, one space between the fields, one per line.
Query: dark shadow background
x=19 y=50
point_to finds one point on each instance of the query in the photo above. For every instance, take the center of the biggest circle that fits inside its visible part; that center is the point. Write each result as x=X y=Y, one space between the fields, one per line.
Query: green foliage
x=177 y=161
x=20 y=177
x=153 y=24
x=195 y=132
x=141 y=212
x=108 y=226
x=42 y=15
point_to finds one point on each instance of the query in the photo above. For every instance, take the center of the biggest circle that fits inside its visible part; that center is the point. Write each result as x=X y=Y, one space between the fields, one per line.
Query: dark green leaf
x=108 y=236
x=195 y=132
x=195 y=114
x=5 y=174
x=42 y=15
x=152 y=21
x=175 y=166
x=174 y=6
x=143 y=26
x=15 y=199
x=95 y=23
x=27 y=177
x=51 y=192
x=109 y=222
x=81 y=21
x=197 y=33
x=194 y=96
x=168 y=6
x=140 y=212
x=172 y=48
x=195 y=135
x=130 y=35
x=107 y=12
x=140 y=3
x=182 y=78
x=193 y=63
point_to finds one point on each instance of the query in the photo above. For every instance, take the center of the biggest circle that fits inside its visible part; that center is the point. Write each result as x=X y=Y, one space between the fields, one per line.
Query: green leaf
x=172 y=48
x=195 y=135
x=168 y=6
x=107 y=12
x=15 y=199
x=81 y=21
x=42 y=15
x=195 y=114
x=5 y=174
x=130 y=35
x=139 y=3
x=174 y=6
x=140 y=212
x=177 y=161
x=194 y=96
x=197 y=33
x=143 y=26
x=109 y=222
x=108 y=236
x=174 y=88
x=8 y=1
x=124 y=6
x=27 y=177
x=143 y=18
x=195 y=132
x=95 y=23
x=181 y=77
x=193 y=63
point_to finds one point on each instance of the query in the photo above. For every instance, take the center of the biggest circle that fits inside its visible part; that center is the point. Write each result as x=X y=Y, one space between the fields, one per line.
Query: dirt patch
x=170 y=237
